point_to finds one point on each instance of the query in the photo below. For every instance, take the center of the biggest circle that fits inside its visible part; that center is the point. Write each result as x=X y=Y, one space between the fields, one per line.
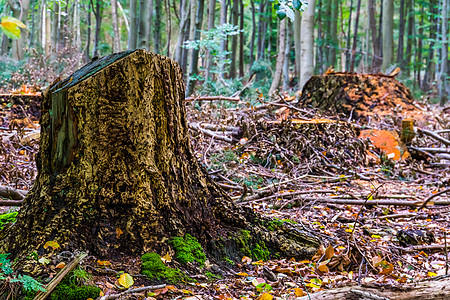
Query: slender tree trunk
x=211 y=19
x=280 y=58
x=33 y=24
x=149 y=24
x=43 y=27
x=418 y=64
x=286 y=56
x=55 y=25
x=444 y=61
x=401 y=36
x=355 y=37
x=184 y=18
x=98 y=25
x=234 y=39
x=410 y=41
x=158 y=25
x=168 y=27
x=77 y=27
x=321 y=64
x=87 y=54
x=115 y=25
x=197 y=15
x=307 y=44
x=349 y=54
x=429 y=71
x=388 y=34
x=297 y=41
x=143 y=22
x=223 y=43
x=252 y=39
x=333 y=32
x=375 y=40
x=132 y=36
x=241 y=38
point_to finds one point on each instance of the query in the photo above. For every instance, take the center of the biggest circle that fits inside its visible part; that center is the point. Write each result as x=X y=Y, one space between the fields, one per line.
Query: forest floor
x=352 y=183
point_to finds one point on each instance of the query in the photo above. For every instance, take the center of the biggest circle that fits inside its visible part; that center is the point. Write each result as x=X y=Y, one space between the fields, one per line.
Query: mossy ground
x=188 y=249
x=255 y=250
x=154 y=268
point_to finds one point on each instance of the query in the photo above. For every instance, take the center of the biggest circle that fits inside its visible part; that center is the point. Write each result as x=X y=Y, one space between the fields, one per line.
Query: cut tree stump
x=117 y=175
x=357 y=95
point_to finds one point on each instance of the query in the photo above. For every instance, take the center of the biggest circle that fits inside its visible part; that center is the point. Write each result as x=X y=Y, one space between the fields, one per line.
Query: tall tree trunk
x=182 y=32
x=261 y=30
x=168 y=27
x=132 y=36
x=77 y=27
x=55 y=25
x=31 y=39
x=297 y=41
x=98 y=25
x=143 y=23
x=149 y=25
x=286 y=56
x=280 y=58
x=118 y=176
x=223 y=42
x=401 y=36
x=348 y=54
x=197 y=15
x=429 y=71
x=234 y=39
x=333 y=32
x=420 y=37
x=388 y=34
x=87 y=54
x=307 y=44
x=320 y=53
x=20 y=11
x=158 y=26
x=241 y=38
x=444 y=60
x=355 y=37
x=375 y=41
x=211 y=19
x=115 y=25
x=411 y=41
x=253 y=36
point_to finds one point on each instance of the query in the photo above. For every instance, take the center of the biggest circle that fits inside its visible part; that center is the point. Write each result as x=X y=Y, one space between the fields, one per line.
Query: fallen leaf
x=60 y=265
x=166 y=258
x=298 y=292
x=329 y=253
x=265 y=296
x=103 y=263
x=126 y=280
x=246 y=260
x=118 y=233
x=54 y=245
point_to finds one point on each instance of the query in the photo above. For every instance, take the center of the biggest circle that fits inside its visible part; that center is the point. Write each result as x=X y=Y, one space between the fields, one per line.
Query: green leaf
x=10 y=27
x=281 y=13
x=297 y=4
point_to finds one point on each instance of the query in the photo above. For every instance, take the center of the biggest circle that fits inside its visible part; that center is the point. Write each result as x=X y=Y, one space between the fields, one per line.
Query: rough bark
x=117 y=175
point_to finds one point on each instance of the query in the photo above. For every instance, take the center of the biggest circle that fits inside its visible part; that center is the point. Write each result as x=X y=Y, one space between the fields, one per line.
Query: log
x=427 y=290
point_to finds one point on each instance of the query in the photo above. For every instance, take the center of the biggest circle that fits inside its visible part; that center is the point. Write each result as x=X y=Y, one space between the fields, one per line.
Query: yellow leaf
x=242 y=274
x=187 y=292
x=350 y=275
x=265 y=296
x=431 y=274
x=298 y=292
x=54 y=245
x=126 y=280
x=10 y=26
x=258 y=263
x=323 y=268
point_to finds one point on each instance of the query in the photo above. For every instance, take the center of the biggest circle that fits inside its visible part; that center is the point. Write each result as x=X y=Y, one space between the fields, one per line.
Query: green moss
x=7 y=218
x=73 y=292
x=257 y=251
x=275 y=224
x=260 y=252
x=154 y=268
x=212 y=277
x=188 y=249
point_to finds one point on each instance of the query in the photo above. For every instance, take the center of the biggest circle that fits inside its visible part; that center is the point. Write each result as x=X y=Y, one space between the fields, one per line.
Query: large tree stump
x=358 y=95
x=117 y=175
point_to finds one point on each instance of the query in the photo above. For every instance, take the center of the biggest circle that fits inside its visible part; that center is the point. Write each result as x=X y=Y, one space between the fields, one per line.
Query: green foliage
x=154 y=268
x=212 y=277
x=224 y=157
x=80 y=276
x=258 y=252
x=7 y=67
x=188 y=249
x=7 y=218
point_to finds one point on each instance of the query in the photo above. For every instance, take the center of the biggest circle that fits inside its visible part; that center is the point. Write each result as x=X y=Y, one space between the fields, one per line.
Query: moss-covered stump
x=357 y=95
x=117 y=175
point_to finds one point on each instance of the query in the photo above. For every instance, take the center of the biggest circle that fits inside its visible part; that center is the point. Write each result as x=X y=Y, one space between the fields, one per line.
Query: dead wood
x=212 y=98
x=434 y=136
x=132 y=291
x=439 y=289
x=432 y=197
x=11 y=193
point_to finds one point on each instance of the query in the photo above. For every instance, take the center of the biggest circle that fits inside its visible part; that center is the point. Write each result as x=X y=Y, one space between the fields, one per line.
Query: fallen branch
x=12 y=193
x=11 y=202
x=60 y=276
x=133 y=291
x=370 y=202
x=211 y=133
x=432 y=197
x=285 y=195
x=434 y=136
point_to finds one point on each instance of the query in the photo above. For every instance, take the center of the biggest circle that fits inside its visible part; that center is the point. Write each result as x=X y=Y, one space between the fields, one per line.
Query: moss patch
x=188 y=249
x=257 y=251
x=154 y=268
x=7 y=218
